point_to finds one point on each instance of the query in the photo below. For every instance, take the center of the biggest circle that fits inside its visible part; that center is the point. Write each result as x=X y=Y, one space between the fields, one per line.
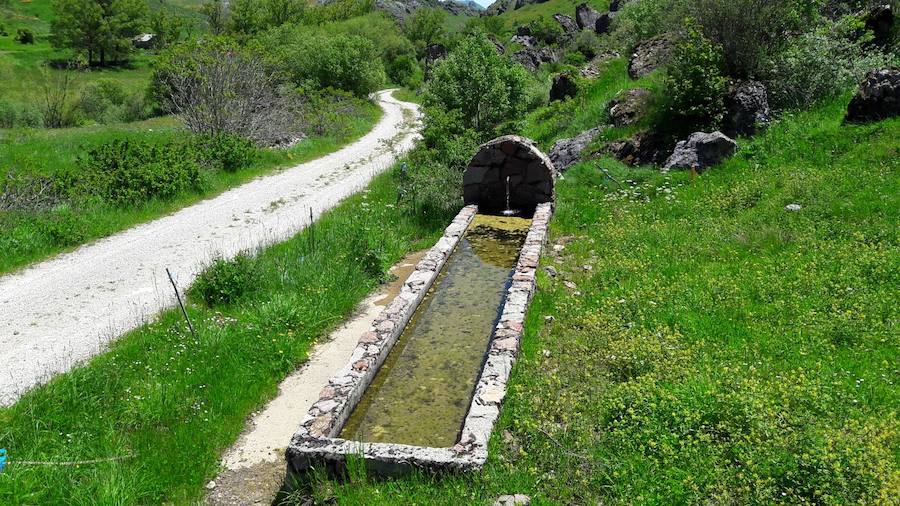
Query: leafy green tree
x=485 y=88
x=245 y=17
x=167 y=28
x=425 y=27
x=279 y=12
x=216 y=15
x=101 y=29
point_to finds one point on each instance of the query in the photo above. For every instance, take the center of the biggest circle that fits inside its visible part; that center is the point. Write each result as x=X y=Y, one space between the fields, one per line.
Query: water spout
x=508 y=211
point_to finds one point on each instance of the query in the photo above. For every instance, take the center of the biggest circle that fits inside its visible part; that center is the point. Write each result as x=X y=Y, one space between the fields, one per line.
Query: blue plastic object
x=2 y=459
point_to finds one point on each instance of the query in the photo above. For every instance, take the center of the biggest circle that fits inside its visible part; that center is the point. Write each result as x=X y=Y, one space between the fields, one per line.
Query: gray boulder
x=628 y=107
x=564 y=86
x=747 y=108
x=880 y=21
x=700 y=151
x=526 y=41
x=586 y=16
x=877 y=98
x=566 y=152
x=604 y=23
x=650 y=55
x=569 y=26
x=642 y=148
x=534 y=58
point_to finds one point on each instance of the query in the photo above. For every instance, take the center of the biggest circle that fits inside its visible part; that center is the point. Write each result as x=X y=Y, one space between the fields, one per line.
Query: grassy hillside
x=547 y=9
x=23 y=67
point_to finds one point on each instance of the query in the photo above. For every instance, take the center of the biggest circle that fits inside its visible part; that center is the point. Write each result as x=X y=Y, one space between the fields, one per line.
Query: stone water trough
x=508 y=172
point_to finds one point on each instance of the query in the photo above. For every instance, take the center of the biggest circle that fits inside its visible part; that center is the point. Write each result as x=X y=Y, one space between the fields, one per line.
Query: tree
x=425 y=27
x=101 y=29
x=279 y=12
x=216 y=15
x=474 y=80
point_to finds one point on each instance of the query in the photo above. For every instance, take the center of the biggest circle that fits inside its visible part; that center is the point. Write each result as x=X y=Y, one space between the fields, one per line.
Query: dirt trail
x=60 y=312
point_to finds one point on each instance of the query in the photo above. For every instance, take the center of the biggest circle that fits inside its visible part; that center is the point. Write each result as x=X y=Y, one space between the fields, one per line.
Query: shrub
x=225 y=281
x=24 y=36
x=30 y=116
x=428 y=187
x=9 y=116
x=97 y=98
x=328 y=113
x=128 y=171
x=224 y=151
x=3 y=32
x=344 y=62
x=546 y=29
x=695 y=82
x=483 y=87
x=751 y=31
x=588 y=44
x=217 y=87
x=821 y=64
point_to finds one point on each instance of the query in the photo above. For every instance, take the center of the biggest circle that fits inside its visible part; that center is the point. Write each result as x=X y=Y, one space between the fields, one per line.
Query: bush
x=225 y=281
x=428 y=187
x=102 y=101
x=24 y=36
x=224 y=151
x=483 y=87
x=9 y=116
x=217 y=87
x=588 y=44
x=821 y=64
x=128 y=171
x=30 y=116
x=328 y=113
x=696 y=84
x=344 y=62
x=546 y=29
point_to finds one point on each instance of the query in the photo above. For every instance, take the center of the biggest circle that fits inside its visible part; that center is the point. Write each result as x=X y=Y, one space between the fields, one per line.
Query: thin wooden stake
x=180 y=303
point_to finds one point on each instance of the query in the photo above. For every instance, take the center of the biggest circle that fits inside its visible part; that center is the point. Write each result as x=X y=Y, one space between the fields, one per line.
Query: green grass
x=588 y=109
x=173 y=402
x=28 y=237
x=720 y=350
x=23 y=67
x=407 y=95
x=547 y=9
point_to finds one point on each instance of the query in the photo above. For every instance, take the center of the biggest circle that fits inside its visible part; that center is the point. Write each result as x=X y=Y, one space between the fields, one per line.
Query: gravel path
x=60 y=312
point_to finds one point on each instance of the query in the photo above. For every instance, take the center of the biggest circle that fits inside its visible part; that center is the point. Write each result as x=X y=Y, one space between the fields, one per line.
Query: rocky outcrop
x=567 y=152
x=586 y=16
x=569 y=26
x=700 y=151
x=604 y=23
x=642 y=148
x=564 y=86
x=628 y=107
x=877 y=98
x=526 y=41
x=880 y=21
x=747 y=108
x=650 y=55
x=593 y=67
x=533 y=58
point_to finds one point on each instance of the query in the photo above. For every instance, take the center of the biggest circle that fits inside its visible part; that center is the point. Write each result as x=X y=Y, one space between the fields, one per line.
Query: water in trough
x=421 y=394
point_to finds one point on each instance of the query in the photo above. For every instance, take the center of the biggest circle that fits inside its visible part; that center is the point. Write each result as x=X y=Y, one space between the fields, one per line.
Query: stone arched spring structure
x=530 y=172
